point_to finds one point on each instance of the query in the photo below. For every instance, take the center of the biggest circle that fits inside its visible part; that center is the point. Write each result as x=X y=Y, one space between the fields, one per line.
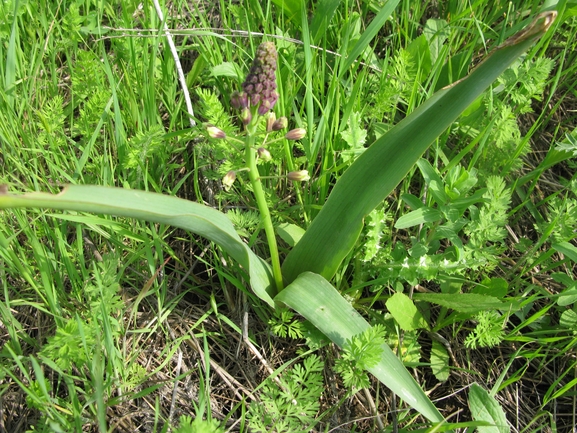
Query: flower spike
x=260 y=83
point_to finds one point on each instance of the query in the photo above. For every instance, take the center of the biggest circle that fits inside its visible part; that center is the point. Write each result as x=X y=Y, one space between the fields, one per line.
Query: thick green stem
x=250 y=160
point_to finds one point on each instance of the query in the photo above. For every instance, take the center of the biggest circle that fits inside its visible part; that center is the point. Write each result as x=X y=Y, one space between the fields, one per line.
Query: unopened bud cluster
x=260 y=83
x=259 y=95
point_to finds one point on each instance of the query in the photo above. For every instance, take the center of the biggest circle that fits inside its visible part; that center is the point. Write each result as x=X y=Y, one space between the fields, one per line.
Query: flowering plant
x=302 y=282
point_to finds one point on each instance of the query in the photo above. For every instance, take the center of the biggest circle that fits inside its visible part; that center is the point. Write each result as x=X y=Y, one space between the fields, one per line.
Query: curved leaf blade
x=372 y=177
x=159 y=208
x=318 y=301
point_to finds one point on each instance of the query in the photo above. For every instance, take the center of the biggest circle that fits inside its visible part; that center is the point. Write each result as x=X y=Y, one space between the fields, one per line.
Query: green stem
x=250 y=160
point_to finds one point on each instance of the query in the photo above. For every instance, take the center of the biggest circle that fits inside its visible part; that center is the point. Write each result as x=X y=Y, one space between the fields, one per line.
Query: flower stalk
x=259 y=97
x=255 y=102
x=254 y=177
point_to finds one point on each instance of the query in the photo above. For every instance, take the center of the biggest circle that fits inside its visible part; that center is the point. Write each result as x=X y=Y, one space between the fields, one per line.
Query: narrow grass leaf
x=324 y=12
x=10 y=71
x=376 y=24
x=319 y=302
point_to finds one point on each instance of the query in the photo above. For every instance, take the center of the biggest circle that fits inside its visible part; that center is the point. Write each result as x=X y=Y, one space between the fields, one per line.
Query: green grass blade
x=159 y=208
x=376 y=24
x=317 y=300
x=10 y=71
x=371 y=178
x=325 y=10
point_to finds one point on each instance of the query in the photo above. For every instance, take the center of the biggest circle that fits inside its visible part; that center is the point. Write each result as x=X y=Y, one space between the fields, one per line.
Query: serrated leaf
x=496 y=287
x=484 y=407
x=355 y=137
x=405 y=312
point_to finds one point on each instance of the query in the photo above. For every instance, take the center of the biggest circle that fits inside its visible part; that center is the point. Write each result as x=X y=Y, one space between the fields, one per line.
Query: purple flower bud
x=299 y=176
x=214 y=132
x=264 y=107
x=254 y=99
x=264 y=154
x=280 y=124
x=296 y=134
x=239 y=100
x=228 y=180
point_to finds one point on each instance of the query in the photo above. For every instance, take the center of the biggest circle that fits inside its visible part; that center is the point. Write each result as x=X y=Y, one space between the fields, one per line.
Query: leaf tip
x=535 y=30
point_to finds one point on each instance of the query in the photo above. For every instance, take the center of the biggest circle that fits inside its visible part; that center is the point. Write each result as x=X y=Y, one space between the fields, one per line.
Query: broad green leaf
x=372 y=177
x=455 y=69
x=420 y=56
x=484 y=407
x=405 y=312
x=566 y=249
x=439 y=361
x=159 y=208
x=419 y=216
x=433 y=180
x=569 y=294
x=568 y=297
x=466 y=302
x=290 y=233
x=227 y=69
x=291 y=8
x=497 y=287
x=436 y=31
x=412 y=201
x=319 y=302
x=568 y=320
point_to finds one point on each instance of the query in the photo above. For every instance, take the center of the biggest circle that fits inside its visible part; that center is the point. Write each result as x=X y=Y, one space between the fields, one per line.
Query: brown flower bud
x=214 y=132
x=264 y=154
x=228 y=180
x=296 y=134
x=280 y=124
x=270 y=120
x=299 y=176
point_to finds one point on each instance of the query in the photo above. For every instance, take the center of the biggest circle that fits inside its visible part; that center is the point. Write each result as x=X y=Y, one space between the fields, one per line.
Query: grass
x=112 y=324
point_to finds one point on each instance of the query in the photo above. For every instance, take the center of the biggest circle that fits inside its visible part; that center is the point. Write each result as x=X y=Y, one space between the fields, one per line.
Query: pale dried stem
x=179 y=70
